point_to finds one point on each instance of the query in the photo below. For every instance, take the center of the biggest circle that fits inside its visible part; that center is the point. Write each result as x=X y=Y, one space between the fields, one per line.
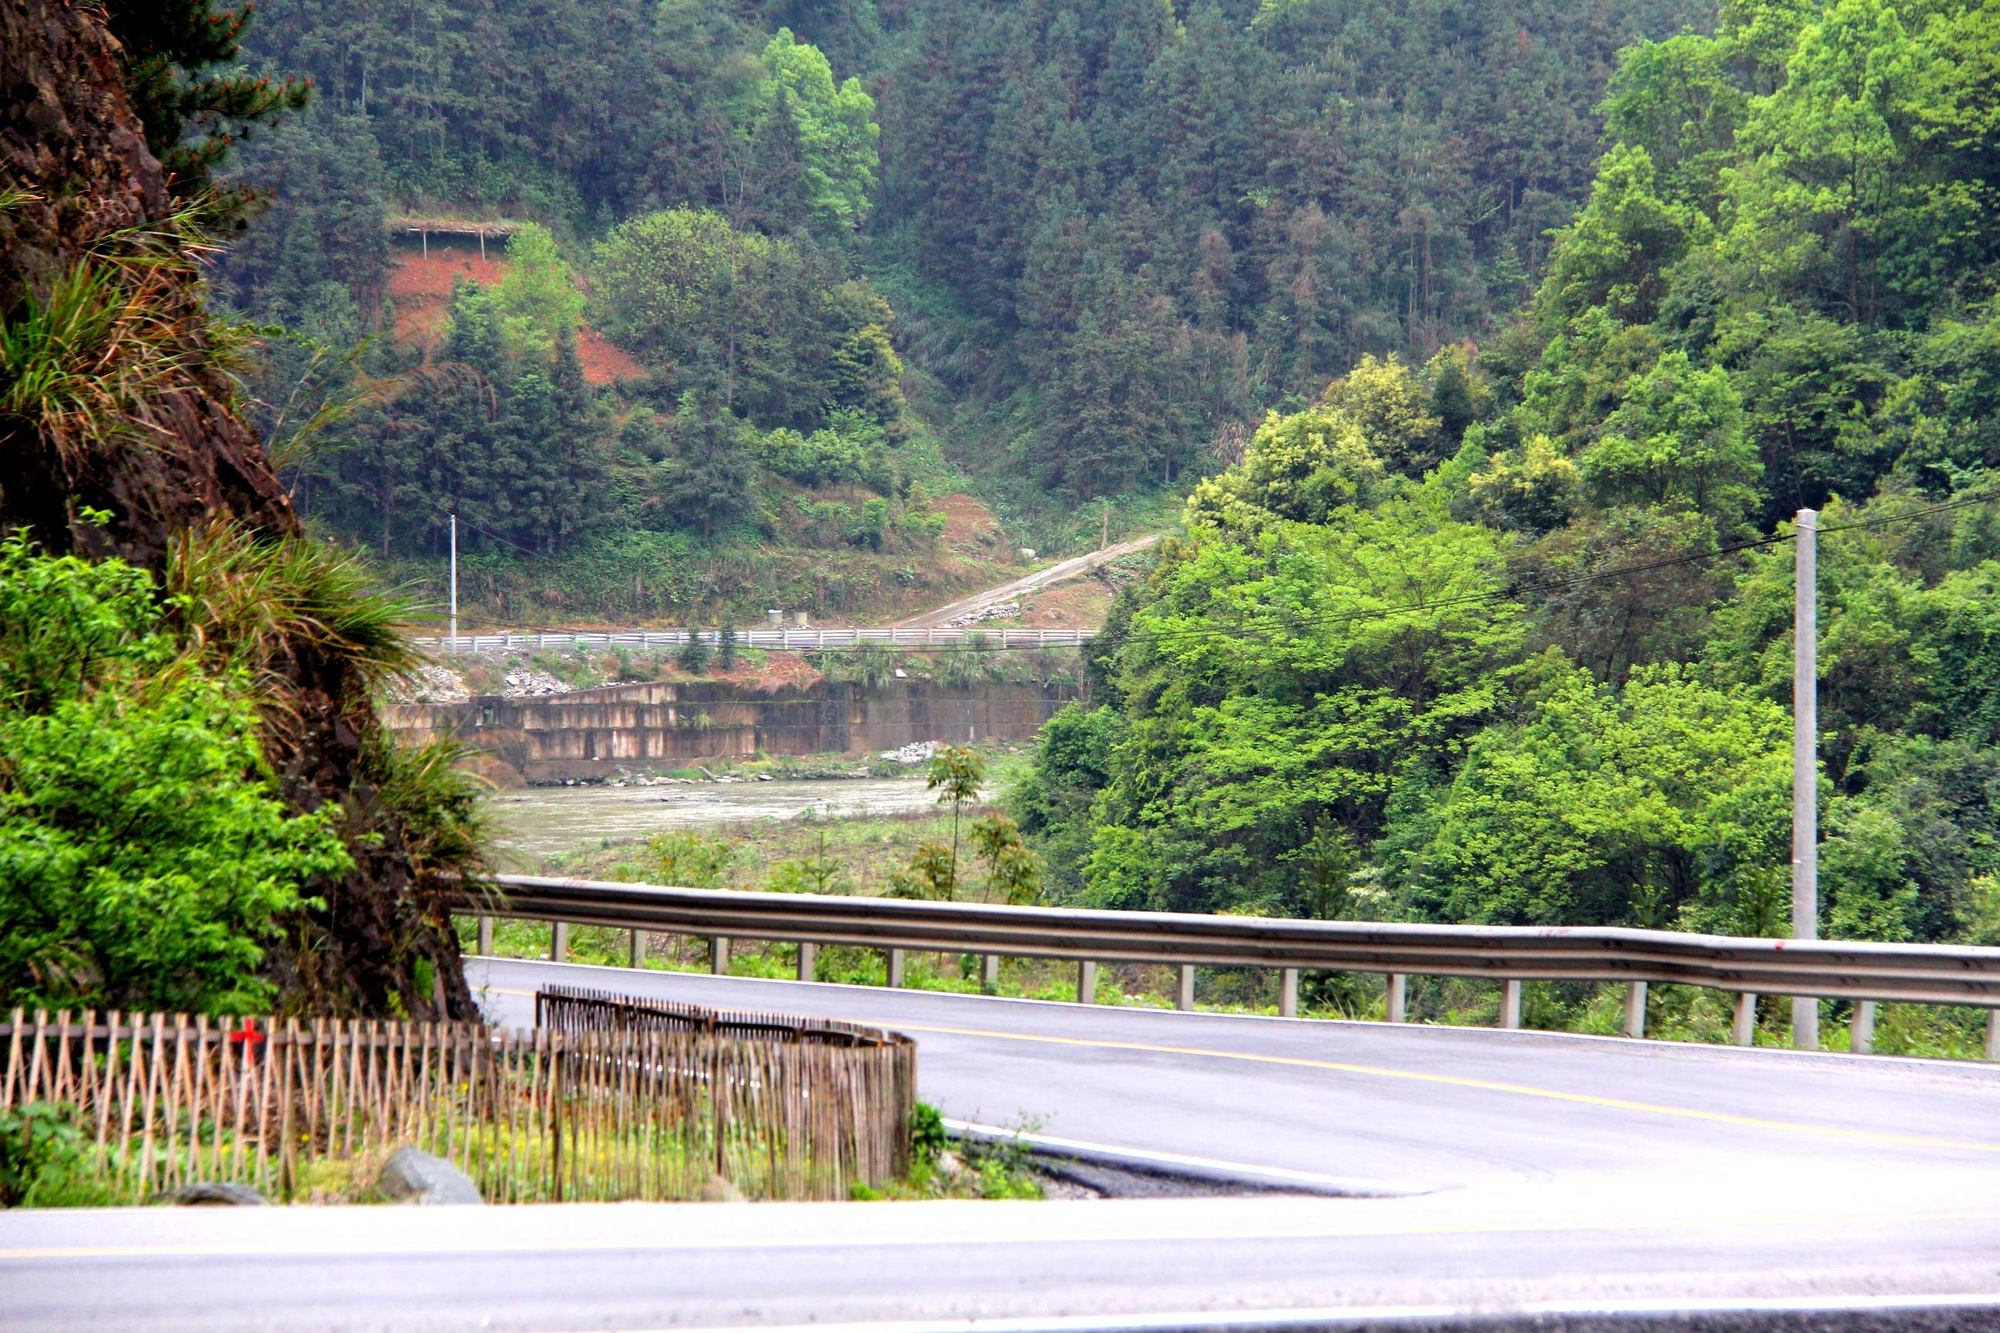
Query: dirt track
x=1060 y=572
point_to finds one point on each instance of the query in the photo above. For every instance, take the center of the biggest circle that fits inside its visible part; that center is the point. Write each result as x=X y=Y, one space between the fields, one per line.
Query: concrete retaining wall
x=590 y=733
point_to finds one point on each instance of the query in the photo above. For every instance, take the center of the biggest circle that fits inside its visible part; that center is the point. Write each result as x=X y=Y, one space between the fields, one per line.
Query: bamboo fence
x=302 y=1110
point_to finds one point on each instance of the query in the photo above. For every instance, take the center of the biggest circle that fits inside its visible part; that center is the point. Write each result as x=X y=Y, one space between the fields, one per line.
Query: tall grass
x=252 y=600
x=100 y=349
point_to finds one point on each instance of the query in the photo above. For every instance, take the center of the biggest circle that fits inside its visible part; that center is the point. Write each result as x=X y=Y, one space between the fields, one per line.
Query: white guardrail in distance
x=795 y=640
x=1864 y=972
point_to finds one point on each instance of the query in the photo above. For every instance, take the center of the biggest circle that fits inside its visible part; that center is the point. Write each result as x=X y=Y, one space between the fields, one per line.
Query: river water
x=539 y=822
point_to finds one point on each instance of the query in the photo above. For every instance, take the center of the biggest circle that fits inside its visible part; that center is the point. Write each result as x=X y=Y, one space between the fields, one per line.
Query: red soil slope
x=420 y=285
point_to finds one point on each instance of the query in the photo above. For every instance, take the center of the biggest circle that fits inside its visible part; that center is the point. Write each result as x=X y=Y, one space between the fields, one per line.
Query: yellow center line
x=1477 y=1084
x=1455 y=1081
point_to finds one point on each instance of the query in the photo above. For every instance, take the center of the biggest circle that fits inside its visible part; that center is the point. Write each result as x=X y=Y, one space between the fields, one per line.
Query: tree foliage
x=1508 y=638
x=146 y=860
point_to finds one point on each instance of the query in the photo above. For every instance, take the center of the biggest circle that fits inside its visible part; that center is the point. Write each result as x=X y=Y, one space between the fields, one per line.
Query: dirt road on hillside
x=1060 y=572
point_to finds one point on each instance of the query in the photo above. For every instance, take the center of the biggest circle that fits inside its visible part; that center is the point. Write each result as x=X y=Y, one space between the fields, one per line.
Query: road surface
x=1511 y=1172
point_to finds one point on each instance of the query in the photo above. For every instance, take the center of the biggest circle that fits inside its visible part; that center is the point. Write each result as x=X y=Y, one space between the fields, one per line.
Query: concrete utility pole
x=454 y=582
x=1805 y=761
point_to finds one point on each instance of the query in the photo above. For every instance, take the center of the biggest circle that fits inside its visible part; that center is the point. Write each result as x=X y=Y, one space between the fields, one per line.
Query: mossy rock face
x=166 y=456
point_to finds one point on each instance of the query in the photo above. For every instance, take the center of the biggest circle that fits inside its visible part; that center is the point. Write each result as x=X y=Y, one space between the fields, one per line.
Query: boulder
x=211 y=1194
x=720 y=1190
x=410 y=1176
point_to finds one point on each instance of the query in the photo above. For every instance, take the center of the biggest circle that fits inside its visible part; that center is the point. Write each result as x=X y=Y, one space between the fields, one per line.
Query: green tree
x=955 y=774
x=660 y=282
x=705 y=482
x=834 y=126
x=932 y=874
x=690 y=859
x=538 y=304
x=1012 y=872
x=1677 y=441
x=1053 y=801
x=1286 y=679
x=1663 y=804
x=694 y=653
x=1617 y=252
x=1392 y=411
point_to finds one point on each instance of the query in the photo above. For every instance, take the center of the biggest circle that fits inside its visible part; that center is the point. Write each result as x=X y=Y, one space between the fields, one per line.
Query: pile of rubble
x=429 y=684
x=980 y=615
x=918 y=752
x=526 y=682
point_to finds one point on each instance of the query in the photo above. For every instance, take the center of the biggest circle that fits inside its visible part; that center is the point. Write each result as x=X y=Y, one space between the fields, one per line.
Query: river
x=539 y=822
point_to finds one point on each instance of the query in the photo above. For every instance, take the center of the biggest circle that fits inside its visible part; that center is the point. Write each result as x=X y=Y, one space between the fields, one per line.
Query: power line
x=443 y=512
x=1909 y=516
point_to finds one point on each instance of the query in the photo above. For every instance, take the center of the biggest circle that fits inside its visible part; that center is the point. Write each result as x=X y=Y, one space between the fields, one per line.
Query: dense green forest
x=864 y=252
x=1507 y=639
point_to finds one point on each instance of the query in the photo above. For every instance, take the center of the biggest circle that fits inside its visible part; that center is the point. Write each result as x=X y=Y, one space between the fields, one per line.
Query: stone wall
x=591 y=733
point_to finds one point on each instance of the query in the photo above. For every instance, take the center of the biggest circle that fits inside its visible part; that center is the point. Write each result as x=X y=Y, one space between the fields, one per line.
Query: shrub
x=43 y=1159
x=145 y=857
x=927 y=1136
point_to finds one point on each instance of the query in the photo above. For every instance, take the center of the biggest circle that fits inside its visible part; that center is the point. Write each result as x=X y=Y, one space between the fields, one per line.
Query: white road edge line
x=1170 y=1161
x=1322 y=1316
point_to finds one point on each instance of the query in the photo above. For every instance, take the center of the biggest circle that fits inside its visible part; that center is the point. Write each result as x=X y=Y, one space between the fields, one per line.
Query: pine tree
x=170 y=50
x=693 y=657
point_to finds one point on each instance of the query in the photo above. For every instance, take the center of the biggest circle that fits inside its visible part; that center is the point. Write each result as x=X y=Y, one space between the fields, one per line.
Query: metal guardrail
x=1864 y=972
x=795 y=640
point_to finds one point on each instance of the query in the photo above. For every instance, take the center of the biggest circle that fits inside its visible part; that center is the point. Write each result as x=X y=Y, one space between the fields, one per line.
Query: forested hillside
x=1131 y=227
x=1510 y=642
x=854 y=255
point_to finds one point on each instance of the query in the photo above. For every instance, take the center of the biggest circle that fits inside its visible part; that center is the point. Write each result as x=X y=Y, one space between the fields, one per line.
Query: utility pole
x=454 y=582
x=1805 y=760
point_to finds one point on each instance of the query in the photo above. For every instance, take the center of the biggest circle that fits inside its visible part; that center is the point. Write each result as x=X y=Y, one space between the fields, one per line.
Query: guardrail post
x=1184 y=998
x=1399 y=998
x=989 y=973
x=1288 y=993
x=1086 y=983
x=1743 y=1031
x=808 y=960
x=895 y=967
x=485 y=946
x=718 y=956
x=638 y=948
x=1993 y=1034
x=1864 y=1027
x=1635 y=1008
x=559 y=942
x=1510 y=1003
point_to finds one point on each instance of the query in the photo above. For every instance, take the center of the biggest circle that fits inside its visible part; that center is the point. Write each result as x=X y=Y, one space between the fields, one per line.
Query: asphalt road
x=1559 y=1182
